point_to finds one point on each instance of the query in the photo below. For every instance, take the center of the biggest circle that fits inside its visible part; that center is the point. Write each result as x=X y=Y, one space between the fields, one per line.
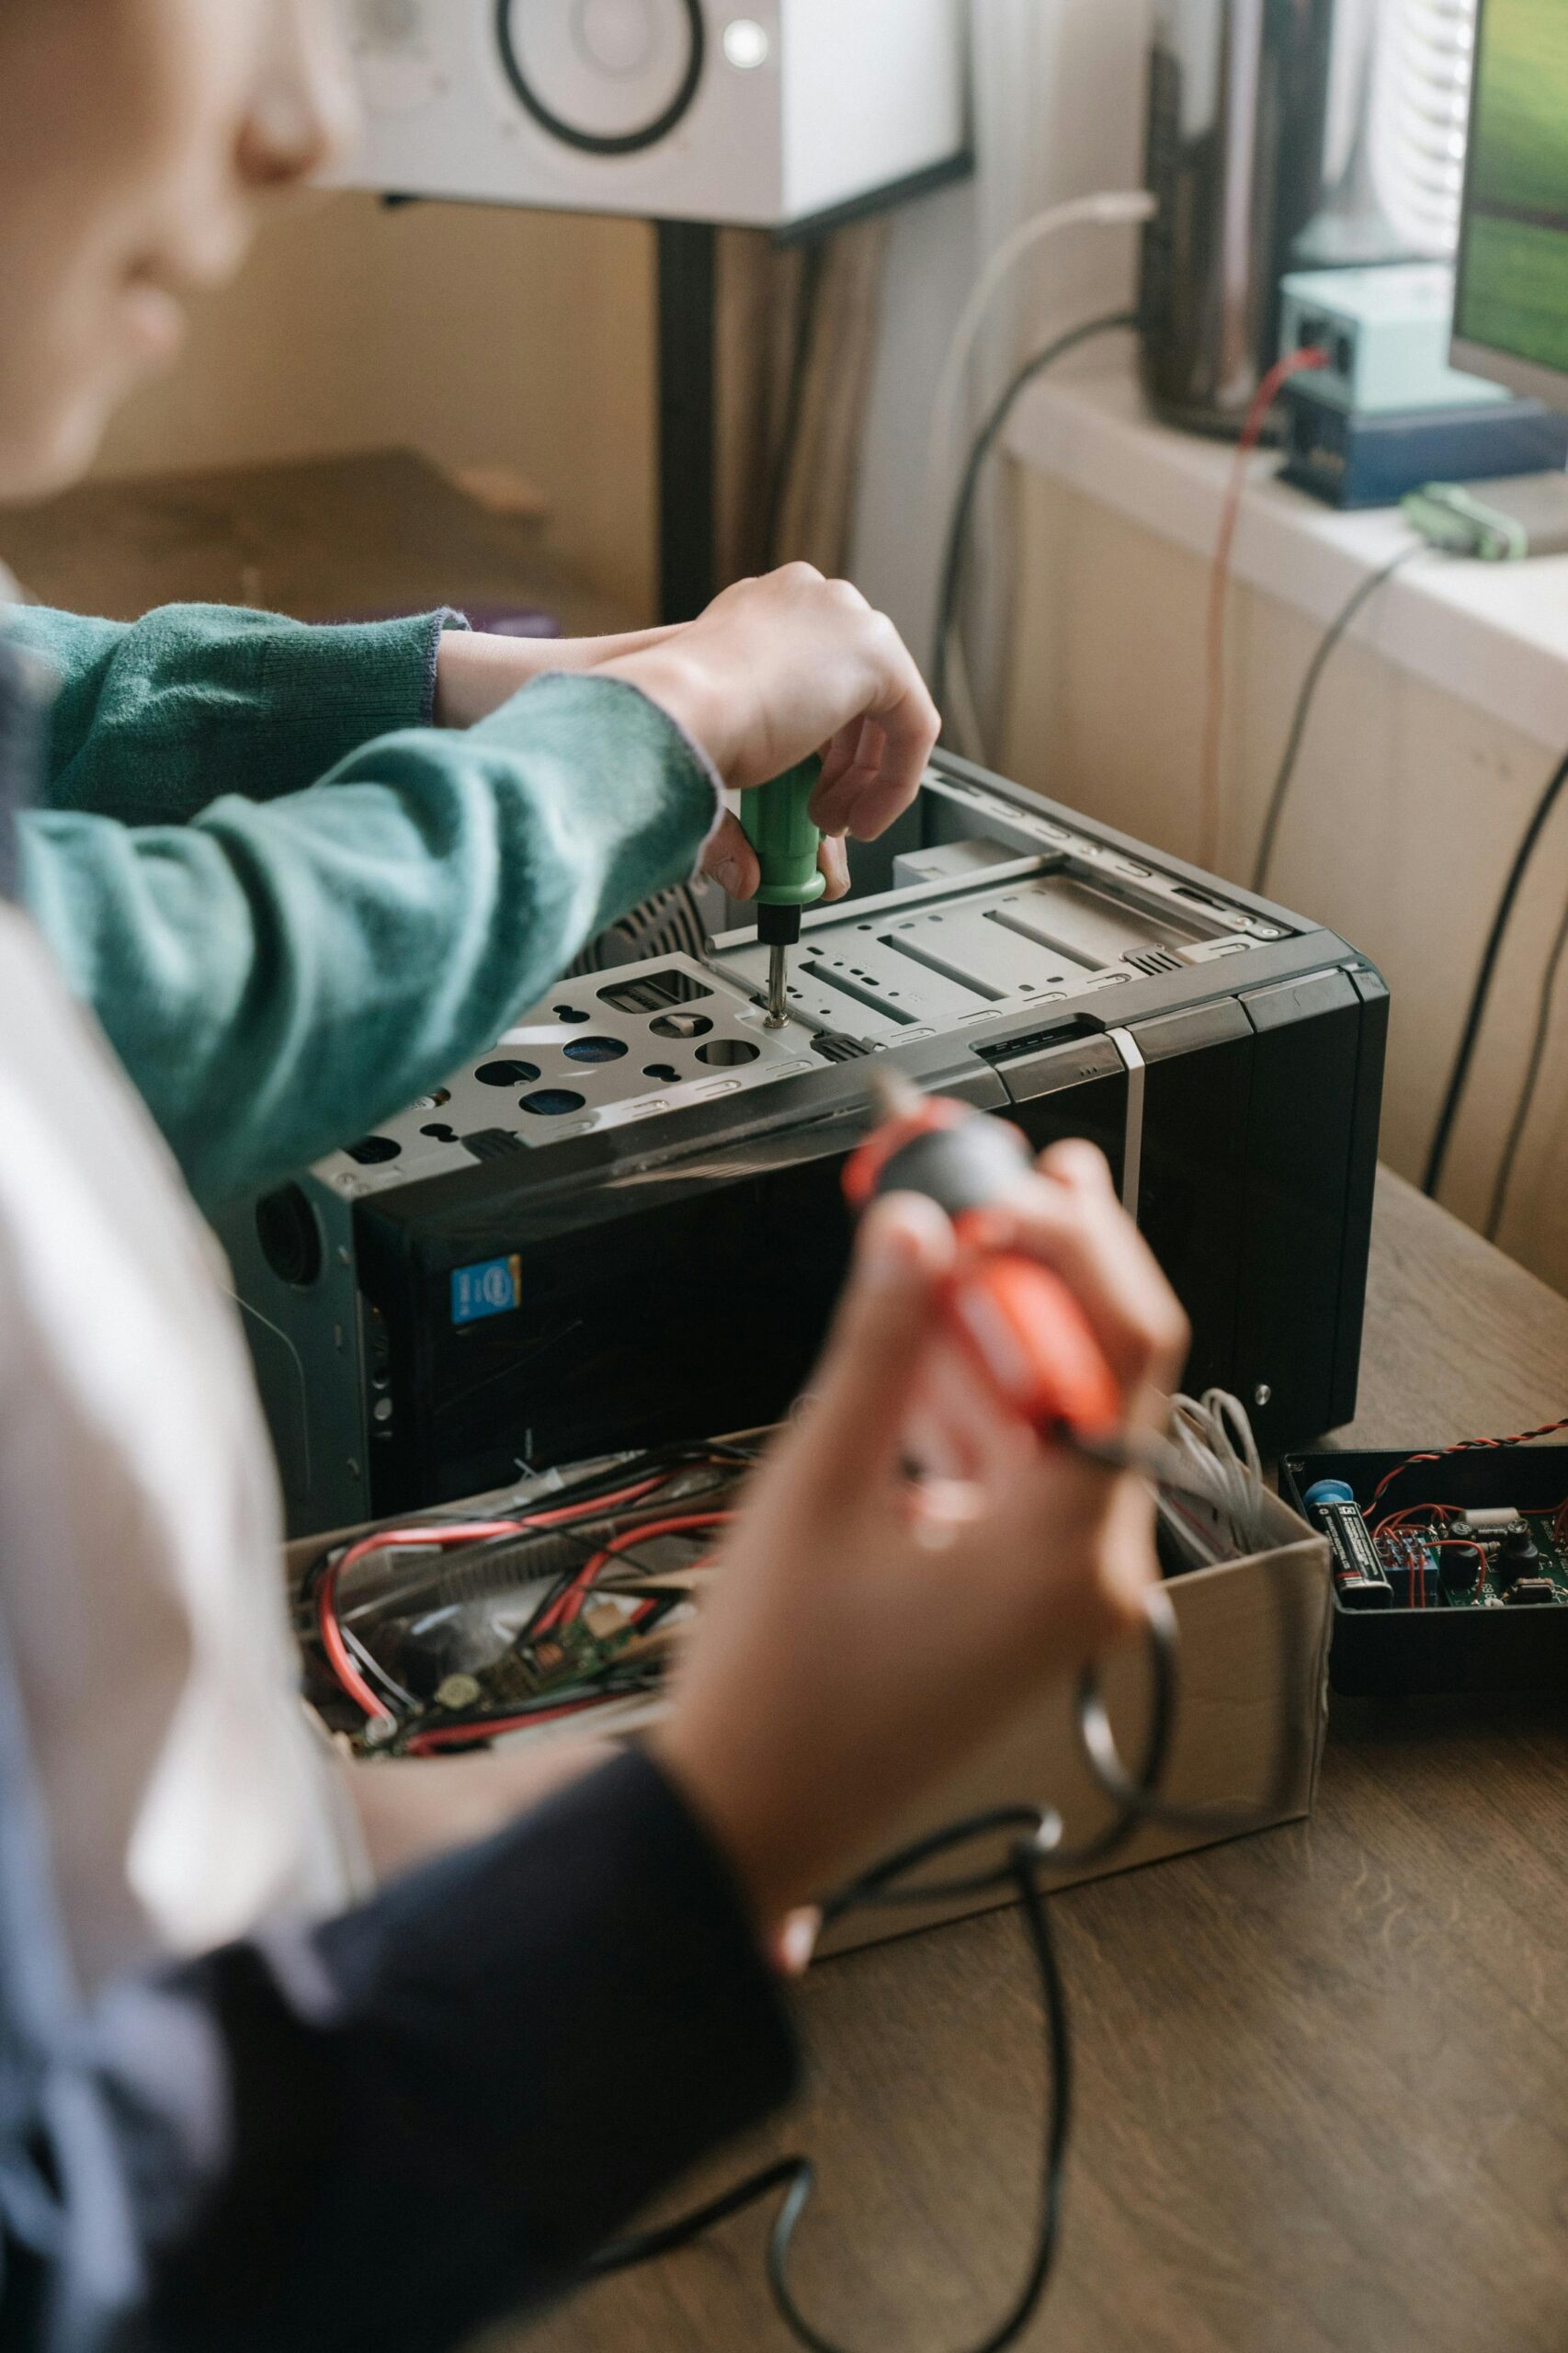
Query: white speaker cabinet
x=767 y=113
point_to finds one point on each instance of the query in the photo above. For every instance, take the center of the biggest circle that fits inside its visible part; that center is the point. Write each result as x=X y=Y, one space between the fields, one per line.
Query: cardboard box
x=1251 y=1719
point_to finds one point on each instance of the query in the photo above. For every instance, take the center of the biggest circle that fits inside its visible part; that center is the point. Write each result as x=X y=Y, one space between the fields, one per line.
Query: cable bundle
x=595 y=1603
x=1217 y=1451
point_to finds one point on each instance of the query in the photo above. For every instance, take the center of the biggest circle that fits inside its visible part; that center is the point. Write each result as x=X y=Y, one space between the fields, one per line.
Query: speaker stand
x=689 y=417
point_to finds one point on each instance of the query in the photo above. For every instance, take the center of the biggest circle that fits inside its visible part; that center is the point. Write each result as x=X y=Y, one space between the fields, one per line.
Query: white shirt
x=140 y=1566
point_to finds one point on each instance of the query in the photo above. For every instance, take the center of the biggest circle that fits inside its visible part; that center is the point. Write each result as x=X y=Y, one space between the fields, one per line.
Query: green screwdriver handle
x=778 y=826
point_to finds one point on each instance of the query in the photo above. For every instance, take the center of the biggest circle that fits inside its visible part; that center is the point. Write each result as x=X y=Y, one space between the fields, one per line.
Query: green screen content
x=1514 y=270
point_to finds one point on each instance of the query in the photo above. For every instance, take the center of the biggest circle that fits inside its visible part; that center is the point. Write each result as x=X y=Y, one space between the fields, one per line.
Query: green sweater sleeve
x=278 y=977
x=153 y=720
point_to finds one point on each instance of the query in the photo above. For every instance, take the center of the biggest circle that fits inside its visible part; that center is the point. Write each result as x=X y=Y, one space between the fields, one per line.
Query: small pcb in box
x=1450 y=1570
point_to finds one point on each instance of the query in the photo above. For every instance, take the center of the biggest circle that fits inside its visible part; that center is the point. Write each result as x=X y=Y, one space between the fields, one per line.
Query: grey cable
x=1504 y=1184
x=1336 y=630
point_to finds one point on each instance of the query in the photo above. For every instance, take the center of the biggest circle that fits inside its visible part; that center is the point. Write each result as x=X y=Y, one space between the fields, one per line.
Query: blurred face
x=138 y=140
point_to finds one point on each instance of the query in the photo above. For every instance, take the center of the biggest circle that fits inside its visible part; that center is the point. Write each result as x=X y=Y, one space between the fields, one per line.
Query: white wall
x=1406 y=808
x=1060 y=110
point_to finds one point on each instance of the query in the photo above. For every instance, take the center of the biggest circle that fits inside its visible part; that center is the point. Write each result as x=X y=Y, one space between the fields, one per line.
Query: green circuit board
x=1443 y=1567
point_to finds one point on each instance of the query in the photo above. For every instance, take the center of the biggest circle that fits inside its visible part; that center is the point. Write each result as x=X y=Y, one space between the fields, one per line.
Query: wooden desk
x=1322 y=2073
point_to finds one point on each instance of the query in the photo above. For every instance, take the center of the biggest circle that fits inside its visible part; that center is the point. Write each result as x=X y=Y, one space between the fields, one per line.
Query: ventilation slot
x=654 y=993
x=1065 y=1033
x=670 y=923
x=1155 y=960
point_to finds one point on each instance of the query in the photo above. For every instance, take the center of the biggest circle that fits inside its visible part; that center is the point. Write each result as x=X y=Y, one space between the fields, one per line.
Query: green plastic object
x=778 y=826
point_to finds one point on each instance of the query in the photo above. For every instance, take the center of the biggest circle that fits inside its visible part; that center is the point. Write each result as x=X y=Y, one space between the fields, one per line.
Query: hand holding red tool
x=1015 y=1319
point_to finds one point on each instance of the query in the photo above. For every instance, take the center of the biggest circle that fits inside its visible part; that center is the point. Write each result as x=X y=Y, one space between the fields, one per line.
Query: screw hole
x=595 y=1050
x=553 y=1103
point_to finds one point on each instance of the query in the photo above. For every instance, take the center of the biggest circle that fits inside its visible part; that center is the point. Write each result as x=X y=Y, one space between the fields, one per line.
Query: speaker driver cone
x=609 y=77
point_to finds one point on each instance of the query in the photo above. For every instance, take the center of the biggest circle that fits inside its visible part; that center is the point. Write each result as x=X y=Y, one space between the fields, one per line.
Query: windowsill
x=1494 y=634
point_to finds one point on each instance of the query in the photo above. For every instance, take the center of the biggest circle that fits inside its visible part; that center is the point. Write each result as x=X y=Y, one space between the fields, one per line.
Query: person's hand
x=477 y=672
x=777 y=669
x=866 y=1632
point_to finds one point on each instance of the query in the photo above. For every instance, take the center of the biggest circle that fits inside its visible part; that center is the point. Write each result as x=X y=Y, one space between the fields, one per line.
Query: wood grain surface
x=1322 y=2073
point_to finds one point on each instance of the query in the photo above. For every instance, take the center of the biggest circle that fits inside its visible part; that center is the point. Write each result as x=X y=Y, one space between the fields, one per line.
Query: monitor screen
x=1511 y=317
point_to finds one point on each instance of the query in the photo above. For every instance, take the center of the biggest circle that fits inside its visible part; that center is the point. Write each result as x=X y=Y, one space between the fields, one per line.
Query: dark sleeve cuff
x=605 y=1985
x=444 y=2102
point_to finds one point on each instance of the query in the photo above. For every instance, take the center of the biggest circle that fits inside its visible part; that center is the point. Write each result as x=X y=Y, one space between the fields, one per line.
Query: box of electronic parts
x=1451 y=1570
x=1247 y=1743
x=1251 y=1716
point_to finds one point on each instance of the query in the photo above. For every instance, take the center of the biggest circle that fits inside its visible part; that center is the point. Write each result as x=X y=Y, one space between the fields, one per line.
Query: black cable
x=797 y=2175
x=1437 y=1158
x=1037 y=1840
x=954 y=546
x=1363 y=595
x=1532 y=1080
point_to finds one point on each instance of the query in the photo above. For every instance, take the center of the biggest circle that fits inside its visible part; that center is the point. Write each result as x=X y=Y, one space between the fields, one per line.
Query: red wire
x=339 y=1657
x=1464 y=1445
x=570 y=1605
x=427 y=1743
x=601 y=1505
x=443 y=1534
x=1267 y=392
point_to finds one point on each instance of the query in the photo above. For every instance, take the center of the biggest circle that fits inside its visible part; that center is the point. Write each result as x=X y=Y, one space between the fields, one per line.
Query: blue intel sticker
x=494 y=1288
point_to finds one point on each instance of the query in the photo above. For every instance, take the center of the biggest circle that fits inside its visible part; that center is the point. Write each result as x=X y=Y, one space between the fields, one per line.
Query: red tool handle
x=1013 y=1318
x=1034 y=1343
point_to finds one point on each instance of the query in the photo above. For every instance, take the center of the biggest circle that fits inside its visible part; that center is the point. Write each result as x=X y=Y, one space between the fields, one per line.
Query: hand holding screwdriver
x=778 y=825
x=869 y=1632
x=778 y=669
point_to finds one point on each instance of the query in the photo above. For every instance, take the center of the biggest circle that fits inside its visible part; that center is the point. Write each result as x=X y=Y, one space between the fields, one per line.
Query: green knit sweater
x=293 y=903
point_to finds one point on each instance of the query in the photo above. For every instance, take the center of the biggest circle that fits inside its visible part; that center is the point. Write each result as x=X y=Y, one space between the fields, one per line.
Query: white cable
x=1119 y=209
x=1215 y=1439
x=967 y=724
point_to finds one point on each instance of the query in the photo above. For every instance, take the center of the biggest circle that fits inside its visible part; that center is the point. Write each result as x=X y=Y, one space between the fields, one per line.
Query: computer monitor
x=1511 y=312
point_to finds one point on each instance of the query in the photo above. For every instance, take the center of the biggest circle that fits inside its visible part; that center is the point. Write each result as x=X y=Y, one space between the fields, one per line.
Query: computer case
x=623 y=1226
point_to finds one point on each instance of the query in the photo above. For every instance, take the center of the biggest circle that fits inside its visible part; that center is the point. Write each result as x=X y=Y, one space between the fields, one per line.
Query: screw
x=1263 y=1395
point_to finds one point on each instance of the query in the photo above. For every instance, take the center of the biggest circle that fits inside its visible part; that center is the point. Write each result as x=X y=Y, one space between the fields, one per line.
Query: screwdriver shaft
x=778 y=987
